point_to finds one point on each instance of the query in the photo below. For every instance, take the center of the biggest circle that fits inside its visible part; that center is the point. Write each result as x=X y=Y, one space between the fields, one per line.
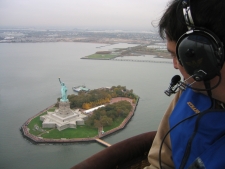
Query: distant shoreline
x=156 y=52
x=139 y=50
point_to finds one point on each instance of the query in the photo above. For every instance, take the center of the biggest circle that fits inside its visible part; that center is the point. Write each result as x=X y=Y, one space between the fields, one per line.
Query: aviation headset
x=199 y=50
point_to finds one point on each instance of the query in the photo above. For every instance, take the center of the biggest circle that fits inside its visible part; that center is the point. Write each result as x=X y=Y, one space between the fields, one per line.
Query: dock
x=136 y=60
x=103 y=142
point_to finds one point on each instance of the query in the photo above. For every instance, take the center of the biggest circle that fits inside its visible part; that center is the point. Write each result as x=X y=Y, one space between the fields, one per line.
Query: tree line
x=96 y=97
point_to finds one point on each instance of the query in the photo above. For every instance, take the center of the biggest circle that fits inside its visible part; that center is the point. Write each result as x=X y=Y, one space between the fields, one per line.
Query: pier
x=103 y=142
x=134 y=60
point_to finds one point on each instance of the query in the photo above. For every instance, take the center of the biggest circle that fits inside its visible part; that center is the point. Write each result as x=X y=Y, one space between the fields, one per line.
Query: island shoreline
x=37 y=140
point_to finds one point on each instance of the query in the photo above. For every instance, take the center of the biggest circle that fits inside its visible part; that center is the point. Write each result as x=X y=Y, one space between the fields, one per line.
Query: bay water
x=29 y=83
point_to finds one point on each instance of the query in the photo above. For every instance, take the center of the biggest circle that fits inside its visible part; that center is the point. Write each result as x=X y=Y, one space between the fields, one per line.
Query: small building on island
x=93 y=109
x=80 y=88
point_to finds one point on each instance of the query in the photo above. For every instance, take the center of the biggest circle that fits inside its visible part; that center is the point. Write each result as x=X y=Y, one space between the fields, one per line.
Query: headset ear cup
x=201 y=54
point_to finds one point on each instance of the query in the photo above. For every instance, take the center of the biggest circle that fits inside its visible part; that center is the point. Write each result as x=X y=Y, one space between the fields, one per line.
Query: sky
x=81 y=14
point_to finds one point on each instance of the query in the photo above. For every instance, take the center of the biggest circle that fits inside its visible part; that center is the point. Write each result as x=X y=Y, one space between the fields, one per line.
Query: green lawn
x=79 y=132
x=114 y=125
x=101 y=56
x=37 y=122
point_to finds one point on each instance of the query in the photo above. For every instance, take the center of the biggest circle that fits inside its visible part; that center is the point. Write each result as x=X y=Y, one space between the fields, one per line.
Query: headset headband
x=199 y=50
x=187 y=14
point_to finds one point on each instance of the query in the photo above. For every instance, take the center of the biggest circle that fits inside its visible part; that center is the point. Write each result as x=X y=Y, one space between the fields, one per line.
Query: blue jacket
x=204 y=132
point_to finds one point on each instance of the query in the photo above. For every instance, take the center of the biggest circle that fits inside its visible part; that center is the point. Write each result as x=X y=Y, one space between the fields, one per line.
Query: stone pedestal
x=64 y=109
x=63 y=117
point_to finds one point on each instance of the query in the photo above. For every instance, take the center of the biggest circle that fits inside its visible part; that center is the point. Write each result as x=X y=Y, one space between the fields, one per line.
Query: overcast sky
x=90 y=14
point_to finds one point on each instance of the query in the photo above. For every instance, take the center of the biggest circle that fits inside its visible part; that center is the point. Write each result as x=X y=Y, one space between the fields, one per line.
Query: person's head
x=208 y=14
x=205 y=13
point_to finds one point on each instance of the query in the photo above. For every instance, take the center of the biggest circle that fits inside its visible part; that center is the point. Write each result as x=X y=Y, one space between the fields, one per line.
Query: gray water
x=29 y=83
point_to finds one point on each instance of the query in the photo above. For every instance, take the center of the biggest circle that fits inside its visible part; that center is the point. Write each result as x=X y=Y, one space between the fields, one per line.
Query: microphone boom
x=174 y=81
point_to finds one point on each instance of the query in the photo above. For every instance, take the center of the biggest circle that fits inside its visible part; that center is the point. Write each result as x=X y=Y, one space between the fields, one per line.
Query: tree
x=89 y=121
x=105 y=116
x=106 y=121
x=97 y=124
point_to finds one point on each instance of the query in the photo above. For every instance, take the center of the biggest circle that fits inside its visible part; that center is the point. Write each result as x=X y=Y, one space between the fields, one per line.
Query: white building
x=92 y=109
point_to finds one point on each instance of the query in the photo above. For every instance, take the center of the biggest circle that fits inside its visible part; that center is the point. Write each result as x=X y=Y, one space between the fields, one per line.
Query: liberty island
x=63 y=121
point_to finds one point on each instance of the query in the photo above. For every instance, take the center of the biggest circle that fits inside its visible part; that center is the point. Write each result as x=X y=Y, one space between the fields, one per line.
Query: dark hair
x=209 y=14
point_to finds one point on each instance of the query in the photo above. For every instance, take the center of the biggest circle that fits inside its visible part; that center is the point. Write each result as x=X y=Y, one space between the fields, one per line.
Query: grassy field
x=37 y=122
x=101 y=56
x=114 y=125
x=35 y=128
x=79 y=132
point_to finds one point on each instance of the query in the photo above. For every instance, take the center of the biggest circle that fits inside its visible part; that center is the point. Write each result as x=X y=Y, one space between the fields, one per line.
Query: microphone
x=173 y=82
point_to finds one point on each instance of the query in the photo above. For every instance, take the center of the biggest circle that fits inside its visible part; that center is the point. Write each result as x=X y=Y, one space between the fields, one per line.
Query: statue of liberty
x=63 y=92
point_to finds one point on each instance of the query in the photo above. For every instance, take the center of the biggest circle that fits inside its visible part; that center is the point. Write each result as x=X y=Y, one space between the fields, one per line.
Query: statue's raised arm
x=60 y=81
x=63 y=91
